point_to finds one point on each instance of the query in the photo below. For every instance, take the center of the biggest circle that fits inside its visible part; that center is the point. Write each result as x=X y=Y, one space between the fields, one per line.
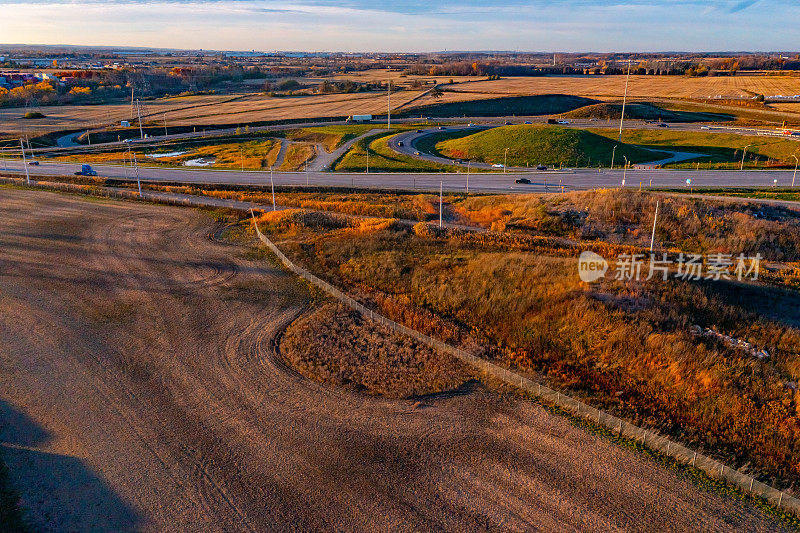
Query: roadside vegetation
x=250 y=155
x=331 y=137
x=724 y=150
x=382 y=158
x=627 y=346
x=531 y=145
x=644 y=111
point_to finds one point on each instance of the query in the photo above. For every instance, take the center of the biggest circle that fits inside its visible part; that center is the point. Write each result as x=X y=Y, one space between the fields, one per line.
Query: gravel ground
x=140 y=391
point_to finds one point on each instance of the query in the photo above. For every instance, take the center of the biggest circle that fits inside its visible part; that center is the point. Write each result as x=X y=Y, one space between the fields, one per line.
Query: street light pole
x=625 y=171
x=624 y=100
x=272 y=184
x=796 y=161
x=25 y=163
x=744 y=152
x=505 y=160
x=468 y=163
x=139 y=115
x=613 y=153
x=441 y=186
x=389 y=106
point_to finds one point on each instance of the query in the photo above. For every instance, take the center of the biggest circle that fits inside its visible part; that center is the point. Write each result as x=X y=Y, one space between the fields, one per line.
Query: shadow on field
x=53 y=491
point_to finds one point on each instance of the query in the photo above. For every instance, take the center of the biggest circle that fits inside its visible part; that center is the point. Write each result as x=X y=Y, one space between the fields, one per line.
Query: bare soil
x=140 y=390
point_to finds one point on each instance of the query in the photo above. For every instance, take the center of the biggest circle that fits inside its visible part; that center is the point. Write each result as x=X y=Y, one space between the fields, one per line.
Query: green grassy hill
x=644 y=111
x=544 y=104
x=547 y=145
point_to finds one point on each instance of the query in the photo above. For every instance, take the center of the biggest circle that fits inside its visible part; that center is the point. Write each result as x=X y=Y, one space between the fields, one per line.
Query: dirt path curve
x=140 y=390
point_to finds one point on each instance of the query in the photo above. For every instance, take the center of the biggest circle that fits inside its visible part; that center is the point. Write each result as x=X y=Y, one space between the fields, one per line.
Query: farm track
x=142 y=389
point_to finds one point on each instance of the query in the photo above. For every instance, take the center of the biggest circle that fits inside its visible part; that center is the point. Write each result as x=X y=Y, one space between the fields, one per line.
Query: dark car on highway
x=35 y=163
x=419 y=131
x=541 y=167
x=523 y=180
x=400 y=143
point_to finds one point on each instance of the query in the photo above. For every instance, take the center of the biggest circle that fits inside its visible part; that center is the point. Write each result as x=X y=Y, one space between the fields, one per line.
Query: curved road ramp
x=142 y=388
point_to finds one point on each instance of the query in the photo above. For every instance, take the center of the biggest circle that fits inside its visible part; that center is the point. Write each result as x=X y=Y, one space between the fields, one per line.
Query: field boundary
x=618 y=426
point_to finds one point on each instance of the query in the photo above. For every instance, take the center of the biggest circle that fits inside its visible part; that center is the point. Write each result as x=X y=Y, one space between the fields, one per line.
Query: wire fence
x=649 y=438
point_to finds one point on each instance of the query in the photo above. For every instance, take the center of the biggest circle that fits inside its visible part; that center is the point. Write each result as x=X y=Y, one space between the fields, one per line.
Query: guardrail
x=651 y=439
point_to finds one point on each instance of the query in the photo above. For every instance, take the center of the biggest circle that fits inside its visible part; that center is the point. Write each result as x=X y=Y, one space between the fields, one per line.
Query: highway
x=544 y=181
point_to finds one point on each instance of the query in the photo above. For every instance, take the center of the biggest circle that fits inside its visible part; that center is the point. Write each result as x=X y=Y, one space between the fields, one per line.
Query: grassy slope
x=512 y=105
x=548 y=145
x=382 y=158
x=722 y=147
x=331 y=137
x=645 y=111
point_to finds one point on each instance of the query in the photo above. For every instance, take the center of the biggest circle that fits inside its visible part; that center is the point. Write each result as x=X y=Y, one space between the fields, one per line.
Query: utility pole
x=25 y=162
x=131 y=103
x=468 y=162
x=624 y=100
x=139 y=114
x=795 y=169
x=625 y=171
x=613 y=153
x=505 y=160
x=655 y=219
x=441 y=186
x=388 y=108
x=367 y=158
x=744 y=152
x=272 y=184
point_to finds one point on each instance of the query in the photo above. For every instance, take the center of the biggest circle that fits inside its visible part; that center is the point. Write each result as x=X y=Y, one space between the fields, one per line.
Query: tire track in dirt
x=151 y=355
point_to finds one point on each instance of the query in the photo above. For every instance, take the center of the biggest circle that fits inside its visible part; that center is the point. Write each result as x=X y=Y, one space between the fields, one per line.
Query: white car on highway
x=497 y=165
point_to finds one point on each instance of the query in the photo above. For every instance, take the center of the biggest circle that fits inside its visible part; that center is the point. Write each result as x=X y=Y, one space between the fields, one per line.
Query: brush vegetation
x=625 y=346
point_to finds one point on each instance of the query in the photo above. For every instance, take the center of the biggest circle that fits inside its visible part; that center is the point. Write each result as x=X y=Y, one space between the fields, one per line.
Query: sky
x=408 y=25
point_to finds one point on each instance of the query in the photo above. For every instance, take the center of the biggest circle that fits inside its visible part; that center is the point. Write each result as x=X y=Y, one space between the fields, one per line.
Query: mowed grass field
x=382 y=158
x=530 y=145
x=721 y=147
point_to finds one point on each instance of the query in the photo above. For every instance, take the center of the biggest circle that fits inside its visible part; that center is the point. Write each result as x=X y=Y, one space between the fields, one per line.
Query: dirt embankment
x=140 y=390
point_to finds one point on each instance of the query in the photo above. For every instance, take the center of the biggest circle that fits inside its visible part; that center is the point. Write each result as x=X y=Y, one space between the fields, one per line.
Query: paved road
x=545 y=181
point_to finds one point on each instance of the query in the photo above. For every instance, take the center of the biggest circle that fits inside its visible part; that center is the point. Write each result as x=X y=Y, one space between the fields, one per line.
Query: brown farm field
x=145 y=387
x=210 y=110
x=640 y=86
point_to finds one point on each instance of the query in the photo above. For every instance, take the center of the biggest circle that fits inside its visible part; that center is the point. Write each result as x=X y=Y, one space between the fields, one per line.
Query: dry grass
x=336 y=345
x=624 y=346
x=297 y=155
x=250 y=155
